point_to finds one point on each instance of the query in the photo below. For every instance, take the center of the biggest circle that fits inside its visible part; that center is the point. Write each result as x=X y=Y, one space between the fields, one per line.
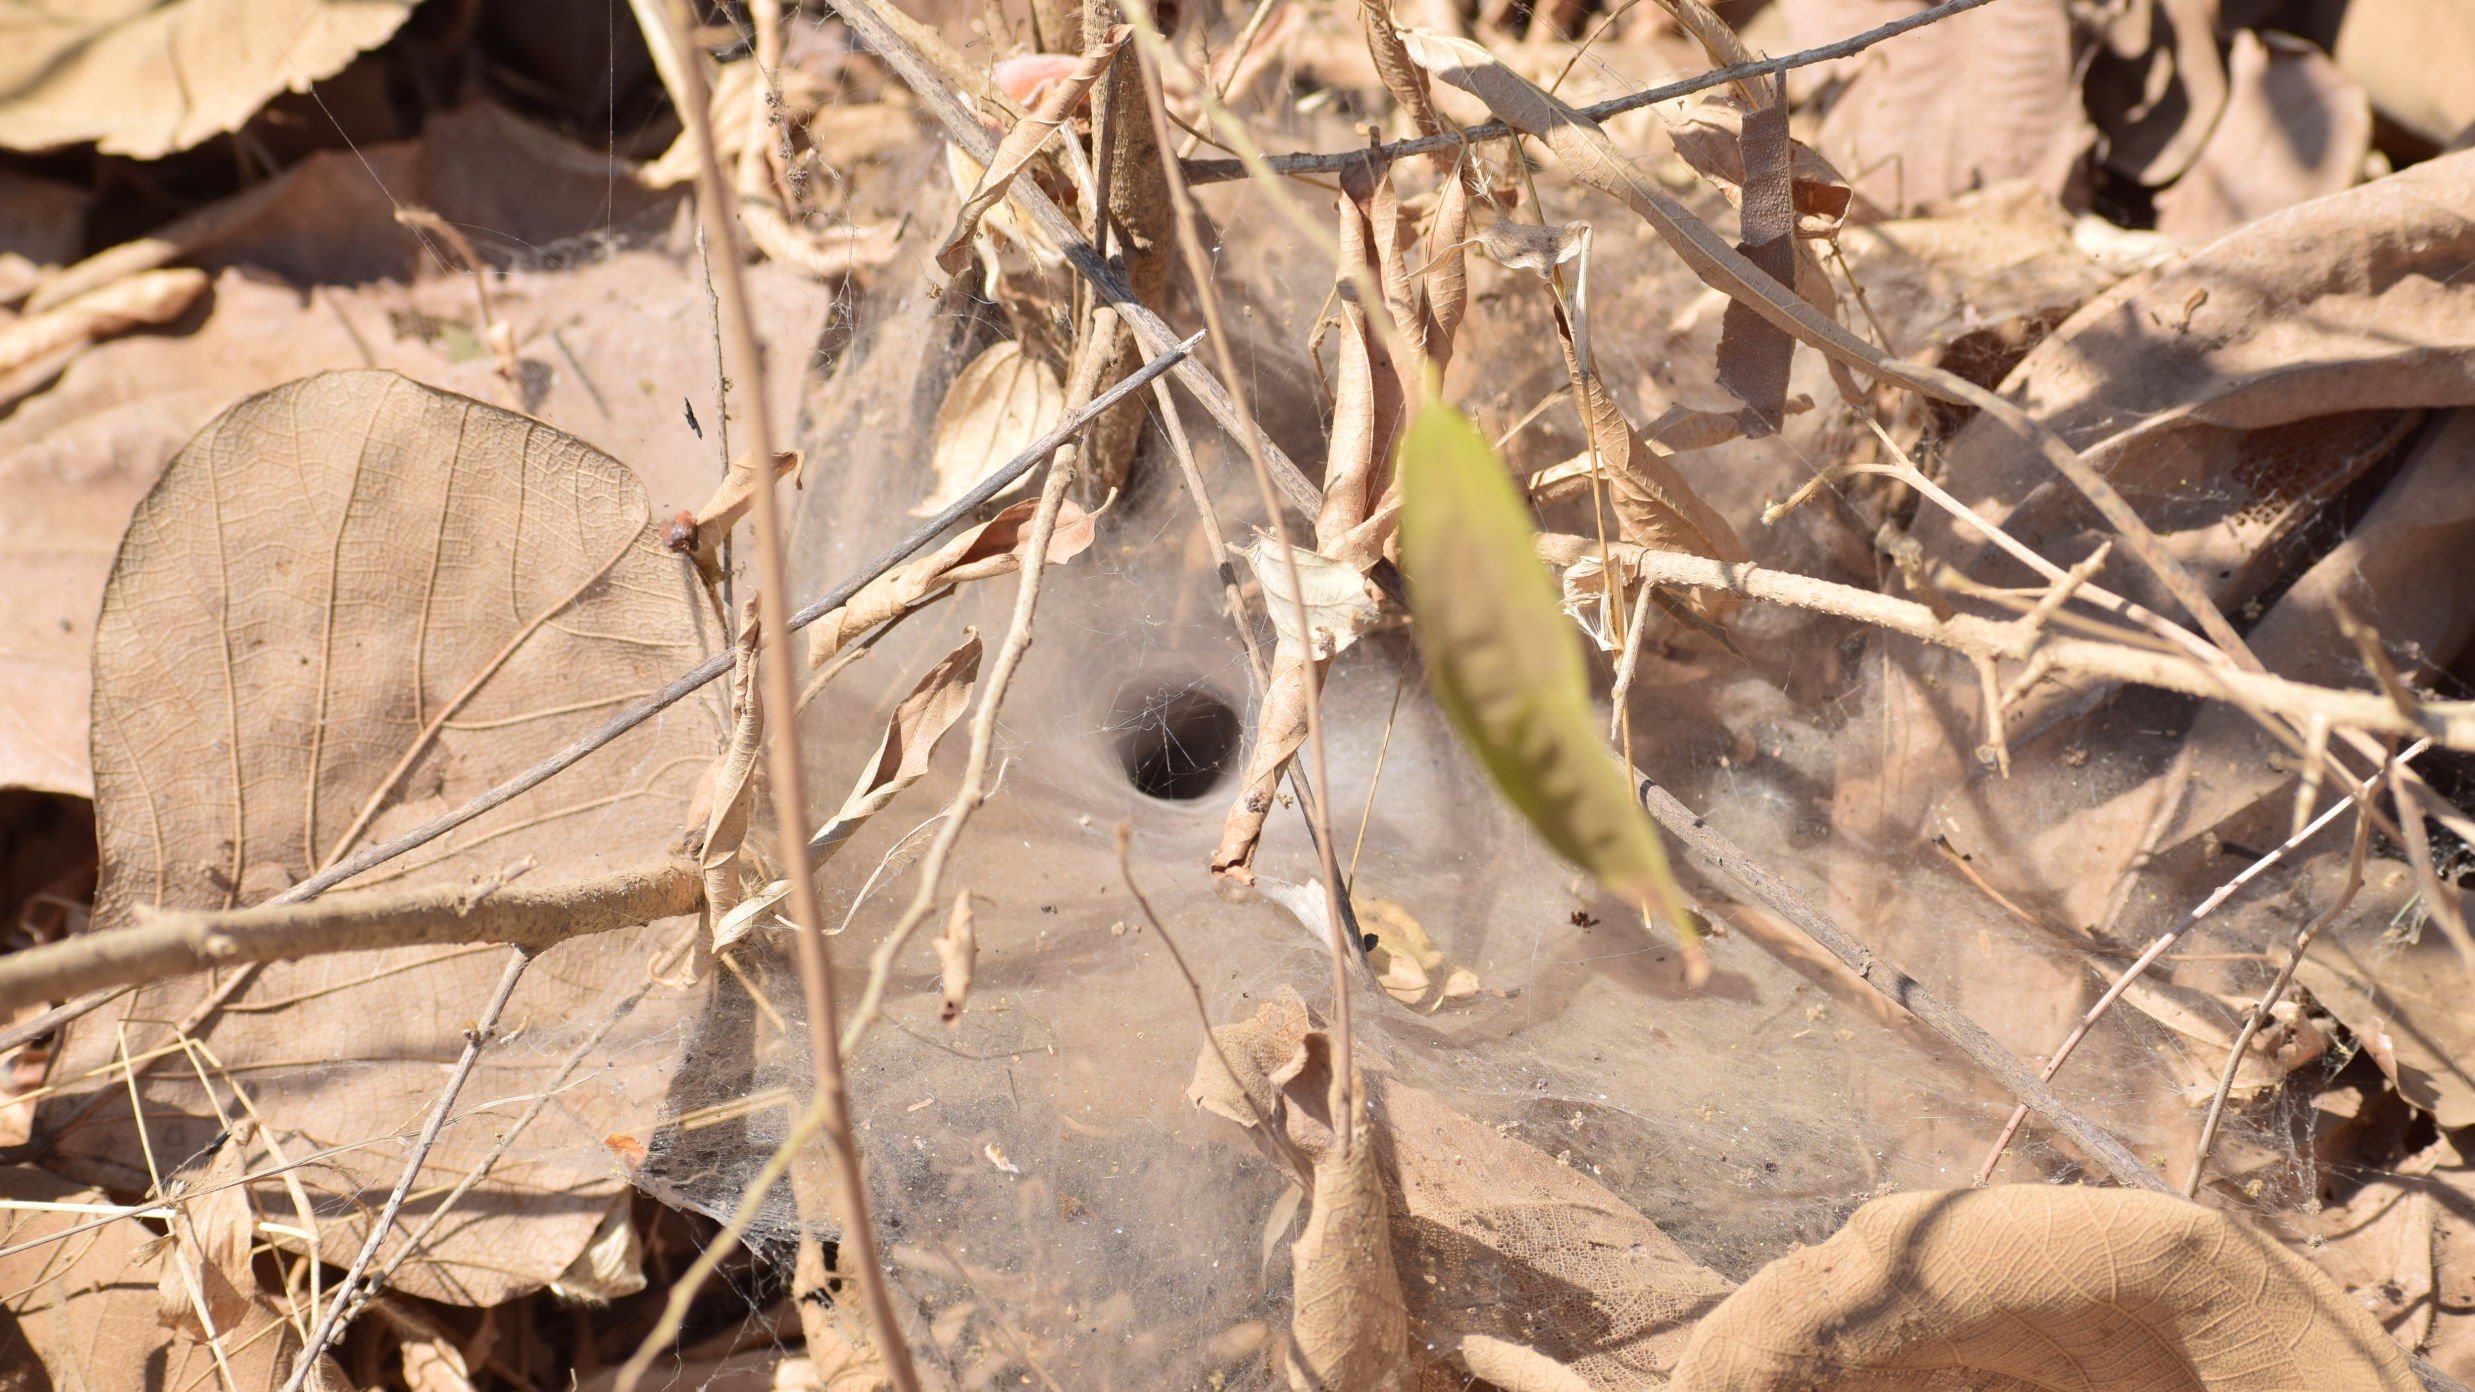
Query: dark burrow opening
x=1174 y=741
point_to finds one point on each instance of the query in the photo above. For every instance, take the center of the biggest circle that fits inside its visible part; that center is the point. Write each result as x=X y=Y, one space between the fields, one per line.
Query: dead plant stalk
x=666 y=28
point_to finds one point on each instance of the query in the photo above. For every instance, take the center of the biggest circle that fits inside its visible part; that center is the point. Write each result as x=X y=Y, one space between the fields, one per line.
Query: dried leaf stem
x=1221 y=171
x=2448 y=723
x=666 y=28
x=476 y=1039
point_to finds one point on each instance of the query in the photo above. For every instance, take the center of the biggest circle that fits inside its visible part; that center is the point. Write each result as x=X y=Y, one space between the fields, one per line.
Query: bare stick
x=666 y=30
x=1220 y=171
x=1942 y=1017
x=2164 y=943
x=697 y=677
x=974 y=789
x=2449 y=723
x=534 y=917
x=27 y=1031
x=475 y=1040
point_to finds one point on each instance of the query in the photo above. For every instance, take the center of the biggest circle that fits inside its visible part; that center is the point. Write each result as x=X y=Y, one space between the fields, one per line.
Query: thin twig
x=1219 y=171
x=2448 y=723
x=2269 y=1000
x=475 y=1040
x=666 y=29
x=1943 y=1018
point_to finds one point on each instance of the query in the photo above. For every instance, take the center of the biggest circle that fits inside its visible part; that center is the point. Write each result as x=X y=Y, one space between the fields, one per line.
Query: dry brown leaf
x=1254 y=1047
x=2406 y=1004
x=2033 y=1285
x=79 y=1306
x=1984 y=96
x=1349 y=1329
x=1710 y=138
x=207 y=1287
x=2294 y=129
x=1340 y=602
x=992 y=548
x=1654 y=506
x=352 y=603
x=901 y=759
x=998 y=405
x=731 y=501
x=1063 y=93
x=145 y=78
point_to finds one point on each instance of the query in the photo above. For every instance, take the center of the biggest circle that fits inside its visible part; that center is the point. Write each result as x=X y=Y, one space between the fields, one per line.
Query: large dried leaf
x=997 y=407
x=1350 y=1329
x=1978 y=98
x=352 y=603
x=145 y=77
x=2412 y=56
x=1506 y=669
x=2038 y=1286
x=2406 y=1004
x=2294 y=129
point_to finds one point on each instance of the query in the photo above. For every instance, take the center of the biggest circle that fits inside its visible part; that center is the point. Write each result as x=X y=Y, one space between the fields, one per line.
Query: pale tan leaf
x=1063 y=92
x=2294 y=129
x=1368 y=394
x=2406 y=1003
x=992 y=548
x=149 y=297
x=1254 y=1047
x=145 y=78
x=352 y=603
x=207 y=1283
x=611 y=1265
x=1350 y=1328
x=999 y=404
x=2156 y=87
x=2036 y=1285
x=1341 y=603
x=1517 y=1368
x=901 y=759
x=958 y=949
x=733 y=498
x=2412 y=55
x=1984 y=96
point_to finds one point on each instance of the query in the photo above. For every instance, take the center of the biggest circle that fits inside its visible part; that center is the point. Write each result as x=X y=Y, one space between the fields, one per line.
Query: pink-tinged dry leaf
x=2294 y=129
x=1978 y=98
x=2413 y=57
x=998 y=405
x=2041 y=1286
x=350 y=604
x=1061 y=94
x=80 y=1307
x=147 y=79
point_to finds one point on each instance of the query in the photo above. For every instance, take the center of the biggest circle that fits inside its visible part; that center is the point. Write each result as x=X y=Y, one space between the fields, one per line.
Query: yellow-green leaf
x=1507 y=669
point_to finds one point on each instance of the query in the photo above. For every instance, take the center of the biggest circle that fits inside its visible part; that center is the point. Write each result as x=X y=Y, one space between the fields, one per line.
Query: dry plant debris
x=2005 y=463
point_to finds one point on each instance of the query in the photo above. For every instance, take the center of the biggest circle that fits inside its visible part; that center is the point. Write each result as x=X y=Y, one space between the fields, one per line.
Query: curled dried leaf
x=2126 y=1290
x=1061 y=94
x=999 y=404
x=992 y=548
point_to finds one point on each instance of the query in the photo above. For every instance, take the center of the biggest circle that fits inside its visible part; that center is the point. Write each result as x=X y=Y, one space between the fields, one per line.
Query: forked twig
x=476 y=1039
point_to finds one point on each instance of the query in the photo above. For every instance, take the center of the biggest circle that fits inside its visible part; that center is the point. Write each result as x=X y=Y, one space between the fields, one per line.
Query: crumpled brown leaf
x=148 y=79
x=2294 y=129
x=352 y=603
x=2406 y=1004
x=207 y=1283
x=2033 y=1286
x=992 y=548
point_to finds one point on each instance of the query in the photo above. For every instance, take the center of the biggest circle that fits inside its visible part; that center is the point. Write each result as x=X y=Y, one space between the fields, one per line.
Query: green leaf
x=1506 y=667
